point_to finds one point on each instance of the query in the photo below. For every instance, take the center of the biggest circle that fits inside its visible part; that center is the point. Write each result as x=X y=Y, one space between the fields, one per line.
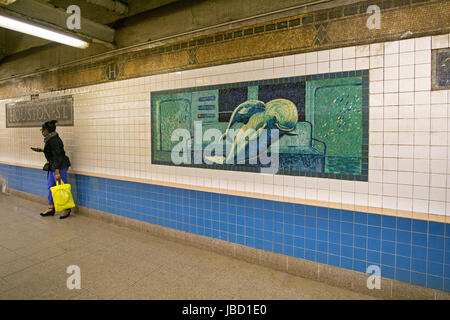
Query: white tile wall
x=409 y=158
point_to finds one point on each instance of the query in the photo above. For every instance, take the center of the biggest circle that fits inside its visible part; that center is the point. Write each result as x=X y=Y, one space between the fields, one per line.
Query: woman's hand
x=57 y=175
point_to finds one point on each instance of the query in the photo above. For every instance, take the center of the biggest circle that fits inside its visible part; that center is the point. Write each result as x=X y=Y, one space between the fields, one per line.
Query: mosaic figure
x=244 y=112
x=259 y=119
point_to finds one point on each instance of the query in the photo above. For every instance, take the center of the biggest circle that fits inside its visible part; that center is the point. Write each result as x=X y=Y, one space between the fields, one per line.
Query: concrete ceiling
x=97 y=18
x=113 y=25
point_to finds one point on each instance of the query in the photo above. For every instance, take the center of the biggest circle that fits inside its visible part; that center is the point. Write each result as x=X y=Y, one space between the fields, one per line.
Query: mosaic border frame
x=364 y=74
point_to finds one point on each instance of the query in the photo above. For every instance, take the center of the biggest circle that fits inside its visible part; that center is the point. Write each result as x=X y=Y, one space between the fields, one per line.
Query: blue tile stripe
x=408 y=250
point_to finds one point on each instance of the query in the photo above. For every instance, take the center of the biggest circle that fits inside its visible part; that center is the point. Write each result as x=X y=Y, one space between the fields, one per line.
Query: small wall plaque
x=441 y=69
x=34 y=113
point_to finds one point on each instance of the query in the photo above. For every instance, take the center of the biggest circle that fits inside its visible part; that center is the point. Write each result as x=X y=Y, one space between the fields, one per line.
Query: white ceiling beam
x=6 y=2
x=2 y=44
x=49 y=16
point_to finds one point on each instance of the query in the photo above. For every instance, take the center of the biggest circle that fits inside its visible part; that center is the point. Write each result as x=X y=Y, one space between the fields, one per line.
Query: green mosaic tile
x=335 y=14
x=307 y=19
x=282 y=25
x=248 y=31
x=350 y=11
x=384 y=4
x=294 y=22
x=270 y=27
x=259 y=29
x=399 y=3
x=321 y=16
x=363 y=8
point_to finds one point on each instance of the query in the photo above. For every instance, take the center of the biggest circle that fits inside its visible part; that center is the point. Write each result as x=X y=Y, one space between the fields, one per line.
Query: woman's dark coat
x=55 y=154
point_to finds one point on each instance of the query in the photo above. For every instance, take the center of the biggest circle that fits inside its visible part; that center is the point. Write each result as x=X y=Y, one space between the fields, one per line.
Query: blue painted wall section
x=408 y=250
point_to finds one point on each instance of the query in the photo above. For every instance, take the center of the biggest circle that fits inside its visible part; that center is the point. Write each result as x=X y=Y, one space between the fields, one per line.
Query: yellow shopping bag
x=62 y=197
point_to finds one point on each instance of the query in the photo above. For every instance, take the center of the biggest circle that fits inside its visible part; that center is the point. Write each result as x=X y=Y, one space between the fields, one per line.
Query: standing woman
x=58 y=162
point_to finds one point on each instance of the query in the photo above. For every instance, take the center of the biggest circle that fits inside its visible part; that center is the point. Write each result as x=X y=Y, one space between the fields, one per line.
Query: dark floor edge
x=331 y=275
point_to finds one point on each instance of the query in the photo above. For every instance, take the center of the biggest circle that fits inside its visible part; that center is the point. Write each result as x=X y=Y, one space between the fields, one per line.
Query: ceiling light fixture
x=24 y=27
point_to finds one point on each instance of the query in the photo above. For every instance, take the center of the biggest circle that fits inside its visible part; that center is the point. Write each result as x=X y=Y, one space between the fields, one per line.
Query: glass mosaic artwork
x=321 y=123
x=441 y=69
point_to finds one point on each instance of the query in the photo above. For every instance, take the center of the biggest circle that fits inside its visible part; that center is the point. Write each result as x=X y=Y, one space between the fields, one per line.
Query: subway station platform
x=120 y=263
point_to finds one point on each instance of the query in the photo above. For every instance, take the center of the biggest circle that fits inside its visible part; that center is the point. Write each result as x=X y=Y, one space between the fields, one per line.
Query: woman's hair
x=50 y=126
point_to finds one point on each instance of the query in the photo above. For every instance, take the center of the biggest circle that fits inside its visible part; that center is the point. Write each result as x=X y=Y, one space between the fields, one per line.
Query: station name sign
x=34 y=113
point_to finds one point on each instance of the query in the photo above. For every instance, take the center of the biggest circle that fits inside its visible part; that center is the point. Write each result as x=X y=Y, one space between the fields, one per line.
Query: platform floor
x=120 y=263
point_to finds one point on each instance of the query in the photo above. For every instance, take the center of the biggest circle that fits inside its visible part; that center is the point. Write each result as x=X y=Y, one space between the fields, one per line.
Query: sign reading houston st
x=33 y=113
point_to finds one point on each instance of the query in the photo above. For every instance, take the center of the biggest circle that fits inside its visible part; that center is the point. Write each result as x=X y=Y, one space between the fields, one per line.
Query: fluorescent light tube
x=16 y=25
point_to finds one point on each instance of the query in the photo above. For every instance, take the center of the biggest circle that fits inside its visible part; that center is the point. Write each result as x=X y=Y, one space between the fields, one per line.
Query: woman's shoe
x=48 y=213
x=67 y=215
